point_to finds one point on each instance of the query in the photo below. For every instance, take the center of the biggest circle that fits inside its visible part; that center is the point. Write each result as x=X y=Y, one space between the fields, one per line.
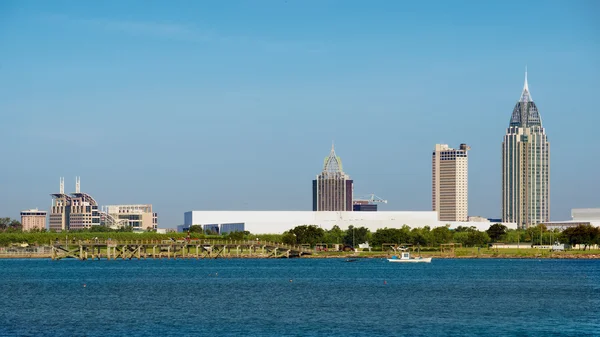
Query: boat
x=405 y=257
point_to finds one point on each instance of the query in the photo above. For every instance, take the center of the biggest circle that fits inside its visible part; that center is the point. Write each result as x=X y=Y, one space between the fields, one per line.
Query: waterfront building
x=33 y=219
x=579 y=216
x=75 y=211
x=333 y=189
x=478 y=219
x=450 y=185
x=525 y=166
x=277 y=222
x=139 y=217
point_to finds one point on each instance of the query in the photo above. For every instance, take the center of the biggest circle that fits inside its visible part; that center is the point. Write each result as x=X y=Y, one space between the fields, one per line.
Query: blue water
x=300 y=297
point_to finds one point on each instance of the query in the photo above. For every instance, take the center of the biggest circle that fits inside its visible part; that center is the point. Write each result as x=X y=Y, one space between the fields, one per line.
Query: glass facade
x=525 y=166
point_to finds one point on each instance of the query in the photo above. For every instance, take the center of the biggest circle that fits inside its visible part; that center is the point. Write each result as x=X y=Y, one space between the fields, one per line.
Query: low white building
x=579 y=216
x=277 y=222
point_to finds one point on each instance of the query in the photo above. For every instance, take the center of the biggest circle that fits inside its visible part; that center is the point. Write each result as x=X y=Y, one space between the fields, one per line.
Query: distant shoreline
x=374 y=256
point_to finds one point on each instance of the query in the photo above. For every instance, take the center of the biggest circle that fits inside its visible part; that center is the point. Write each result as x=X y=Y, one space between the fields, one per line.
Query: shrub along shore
x=468 y=241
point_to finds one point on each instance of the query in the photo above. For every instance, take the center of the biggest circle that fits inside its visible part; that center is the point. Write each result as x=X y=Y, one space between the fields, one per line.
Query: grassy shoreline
x=468 y=253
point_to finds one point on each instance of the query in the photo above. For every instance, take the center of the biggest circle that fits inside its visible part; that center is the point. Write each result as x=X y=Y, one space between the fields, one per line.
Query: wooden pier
x=172 y=249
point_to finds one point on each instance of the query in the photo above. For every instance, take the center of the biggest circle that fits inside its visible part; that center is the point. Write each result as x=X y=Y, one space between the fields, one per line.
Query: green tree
x=471 y=237
x=334 y=235
x=196 y=229
x=10 y=225
x=464 y=229
x=418 y=236
x=477 y=238
x=535 y=233
x=304 y=235
x=237 y=235
x=585 y=235
x=391 y=235
x=289 y=238
x=515 y=235
x=356 y=235
x=496 y=232
x=441 y=235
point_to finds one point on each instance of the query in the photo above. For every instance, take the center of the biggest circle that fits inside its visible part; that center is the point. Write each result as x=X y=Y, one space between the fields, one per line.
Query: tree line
x=10 y=225
x=585 y=235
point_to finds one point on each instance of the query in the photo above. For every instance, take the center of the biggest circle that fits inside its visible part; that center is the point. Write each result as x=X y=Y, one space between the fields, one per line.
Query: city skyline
x=214 y=106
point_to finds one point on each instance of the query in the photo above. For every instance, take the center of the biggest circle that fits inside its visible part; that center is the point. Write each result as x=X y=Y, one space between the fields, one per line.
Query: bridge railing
x=111 y=242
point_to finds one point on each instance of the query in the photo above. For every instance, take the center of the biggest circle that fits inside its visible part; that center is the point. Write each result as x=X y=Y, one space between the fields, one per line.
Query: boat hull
x=421 y=260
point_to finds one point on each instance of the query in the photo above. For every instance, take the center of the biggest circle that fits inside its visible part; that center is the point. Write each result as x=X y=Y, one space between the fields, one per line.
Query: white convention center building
x=277 y=222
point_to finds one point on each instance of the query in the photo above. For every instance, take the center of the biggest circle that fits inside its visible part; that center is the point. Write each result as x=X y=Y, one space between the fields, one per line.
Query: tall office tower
x=525 y=166
x=332 y=190
x=450 y=183
x=59 y=212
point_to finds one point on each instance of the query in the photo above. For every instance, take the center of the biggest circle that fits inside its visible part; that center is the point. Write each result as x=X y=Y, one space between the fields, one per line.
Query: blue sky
x=200 y=105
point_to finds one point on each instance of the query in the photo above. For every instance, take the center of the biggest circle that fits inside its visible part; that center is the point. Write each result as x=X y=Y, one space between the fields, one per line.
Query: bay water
x=300 y=297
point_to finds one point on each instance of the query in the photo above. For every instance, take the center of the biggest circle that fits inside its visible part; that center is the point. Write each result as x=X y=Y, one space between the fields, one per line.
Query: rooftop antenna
x=62 y=185
x=77 y=185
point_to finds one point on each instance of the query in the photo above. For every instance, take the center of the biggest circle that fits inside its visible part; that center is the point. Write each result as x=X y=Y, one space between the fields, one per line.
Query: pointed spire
x=526 y=87
x=333 y=163
x=526 y=95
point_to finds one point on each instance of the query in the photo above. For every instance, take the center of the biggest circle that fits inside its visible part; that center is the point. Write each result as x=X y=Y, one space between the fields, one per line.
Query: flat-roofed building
x=33 y=219
x=277 y=222
x=139 y=217
x=450 y=185
x=579 y=216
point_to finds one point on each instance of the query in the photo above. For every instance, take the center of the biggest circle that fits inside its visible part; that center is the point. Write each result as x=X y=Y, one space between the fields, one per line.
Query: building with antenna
x=81 y=211
x=75 y=211
x=332 y=190
x=525 y=165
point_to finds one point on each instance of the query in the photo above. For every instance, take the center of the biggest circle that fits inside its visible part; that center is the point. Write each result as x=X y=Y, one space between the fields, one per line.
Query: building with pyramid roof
x=525 y=166
x=332 y=190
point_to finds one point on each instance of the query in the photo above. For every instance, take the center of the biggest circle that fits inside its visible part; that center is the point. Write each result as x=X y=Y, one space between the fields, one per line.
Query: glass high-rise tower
x=525 y=166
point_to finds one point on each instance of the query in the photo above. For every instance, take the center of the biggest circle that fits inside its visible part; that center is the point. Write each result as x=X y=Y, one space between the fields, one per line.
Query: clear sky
x=233 y=105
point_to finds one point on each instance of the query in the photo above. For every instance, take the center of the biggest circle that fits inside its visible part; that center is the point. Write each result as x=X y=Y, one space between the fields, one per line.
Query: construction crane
x=369 y=199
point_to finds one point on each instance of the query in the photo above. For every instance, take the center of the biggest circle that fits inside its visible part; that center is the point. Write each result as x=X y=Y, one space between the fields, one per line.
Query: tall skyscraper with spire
x=332 y=190
x=525 y=166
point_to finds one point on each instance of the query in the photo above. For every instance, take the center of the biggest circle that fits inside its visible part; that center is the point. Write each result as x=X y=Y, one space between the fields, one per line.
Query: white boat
x=405 y=257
